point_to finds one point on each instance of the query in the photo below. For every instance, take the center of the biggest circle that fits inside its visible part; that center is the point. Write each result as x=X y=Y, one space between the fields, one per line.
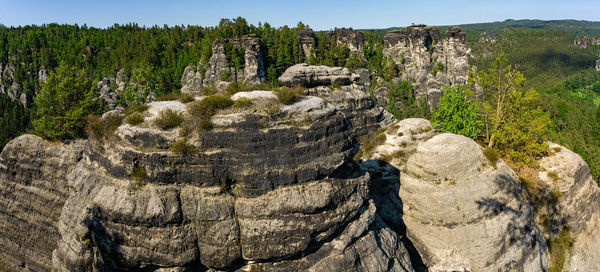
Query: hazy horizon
x=320 y=15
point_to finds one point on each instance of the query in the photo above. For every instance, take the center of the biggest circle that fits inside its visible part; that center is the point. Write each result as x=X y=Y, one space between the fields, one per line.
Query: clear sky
x=319 y=14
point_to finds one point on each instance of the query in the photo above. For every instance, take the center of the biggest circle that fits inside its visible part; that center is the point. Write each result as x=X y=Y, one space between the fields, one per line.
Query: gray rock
x=32 y=194
x=465 y=213
x=418 y=50
x=578 y=206
x=347 y=36
x=251 y=73
x=310 y=76
x=307 y=41
x=487 y=37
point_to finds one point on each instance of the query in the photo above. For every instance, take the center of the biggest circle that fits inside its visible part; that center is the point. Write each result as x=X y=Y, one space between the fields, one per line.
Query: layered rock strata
x=265 y=192
x=33 y=190
x=316 y=75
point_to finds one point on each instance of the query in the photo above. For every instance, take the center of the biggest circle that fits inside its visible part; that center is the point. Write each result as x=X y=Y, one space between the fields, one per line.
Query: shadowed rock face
x=418 y=50
x=307 y=41
x=460 y=211
x=347 y=36
x=33 y=190
x=578 y=206
x=252 y=72
x=261 y=194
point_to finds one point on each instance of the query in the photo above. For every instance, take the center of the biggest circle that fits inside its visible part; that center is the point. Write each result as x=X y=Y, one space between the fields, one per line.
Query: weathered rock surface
x=349 y=37
x=261 y=194
x=356 y=103
x=110 y=88
x=487 y=37
x=578 y=206
x=463 y=212
x=420 y=54
x=252 y=71
x=307 y=41
x=460 y=211
x=33 y=190
x=310 y=76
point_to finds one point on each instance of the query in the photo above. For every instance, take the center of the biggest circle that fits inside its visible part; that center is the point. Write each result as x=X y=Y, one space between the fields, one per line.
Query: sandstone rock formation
x=33 y=190
x=110 y=88
x=307 y=41
x=356 y=104
x=578 y=206
x=309 y=76
x=252 y=71
x=269 y=189
x=461 y=211
x=347 y=36
x=428 y=61
x=487 y=37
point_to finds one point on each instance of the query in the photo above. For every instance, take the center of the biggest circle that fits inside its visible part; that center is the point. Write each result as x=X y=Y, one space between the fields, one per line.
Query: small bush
x=168 y=119
x=553 y=175
x=225 y=75
x=236 y=87
x=183 y=148
x=289 y=96
x=210 y=90
x=242 y=103
x=491 y=155
x=139 y=176
x=99 y=128
x=558 y=248
x=135 y=119
x=168 y=97
x=186 y=98
x=262 y=87
x=201 y=111
x=438 y=68
x=136 y=108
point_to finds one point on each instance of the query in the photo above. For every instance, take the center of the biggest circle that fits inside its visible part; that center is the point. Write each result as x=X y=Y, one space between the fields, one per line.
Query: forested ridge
x=561 y=72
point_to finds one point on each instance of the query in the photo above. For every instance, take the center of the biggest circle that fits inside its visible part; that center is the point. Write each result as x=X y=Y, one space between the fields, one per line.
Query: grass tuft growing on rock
x=102 y=128
x=135 y=119
x=236 y=87
x=288 y=95
x=168 y=119
x=368 y=143
x=242 y=103
x=201 y=111
x=558 y=249
x=136 y=108
x=492 y=155
x=183 y=148
x=139 y=176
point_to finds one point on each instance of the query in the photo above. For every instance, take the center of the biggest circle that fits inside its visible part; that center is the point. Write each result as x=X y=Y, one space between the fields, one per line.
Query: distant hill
x=575 y=27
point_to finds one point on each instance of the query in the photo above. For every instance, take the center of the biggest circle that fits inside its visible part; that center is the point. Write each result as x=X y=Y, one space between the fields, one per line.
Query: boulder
x=465 y=213
x=310 y=76
x=577 y=208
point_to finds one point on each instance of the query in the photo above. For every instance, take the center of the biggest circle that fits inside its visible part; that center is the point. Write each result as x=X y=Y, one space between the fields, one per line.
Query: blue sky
x=320 y=15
